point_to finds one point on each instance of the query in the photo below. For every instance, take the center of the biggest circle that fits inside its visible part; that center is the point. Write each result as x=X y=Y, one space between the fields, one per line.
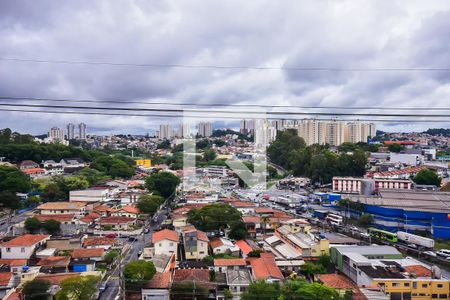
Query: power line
x=208 y=117
x=184 y=112
x=131 y=101
x=187 y=66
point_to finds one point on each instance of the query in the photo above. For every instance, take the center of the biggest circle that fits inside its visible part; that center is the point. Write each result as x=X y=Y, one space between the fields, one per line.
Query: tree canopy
x=281 y=148
x=162 y=183
x=13 y=180
x=427 y=177
x=78 y=288
x=214 y=217
x=138 y=273
x=36 y=289
x=148 y=204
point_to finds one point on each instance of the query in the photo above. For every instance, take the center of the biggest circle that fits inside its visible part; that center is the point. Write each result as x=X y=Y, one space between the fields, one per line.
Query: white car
x=430 y=253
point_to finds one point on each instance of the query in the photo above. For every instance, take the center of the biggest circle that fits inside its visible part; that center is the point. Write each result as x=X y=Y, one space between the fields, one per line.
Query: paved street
x=113 y=282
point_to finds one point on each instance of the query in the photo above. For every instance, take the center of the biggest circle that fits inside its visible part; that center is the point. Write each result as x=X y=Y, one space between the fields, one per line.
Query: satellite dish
x=436 y=272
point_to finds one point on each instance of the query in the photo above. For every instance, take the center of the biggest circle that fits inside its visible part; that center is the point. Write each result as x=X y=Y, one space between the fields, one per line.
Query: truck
x=417 y=240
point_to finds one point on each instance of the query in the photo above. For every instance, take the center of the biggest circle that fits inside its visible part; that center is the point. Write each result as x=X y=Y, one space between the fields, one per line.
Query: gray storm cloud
x=340 y=34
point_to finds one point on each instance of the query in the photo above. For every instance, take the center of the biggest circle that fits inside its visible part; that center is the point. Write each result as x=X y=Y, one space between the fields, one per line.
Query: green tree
x=238 y=231
x=32 y=224
x=9 y=200
x=36 y=289
x=209 y=155
x=255 y=253
x=365 y=220
x=148 y=204
x=395 y=148
x=162 y=183
x=310 y=268
x=261 y=290
x=227 y=294
x=69 y=183
x=286 y=142
x=138 y=273
x=111 y=256
x=13 y=180
x=51 y=193
x=188 y=290
x=52 y=226
x=214 y=217
x=428 y=177
x=316 y=291
x=119 y=169
x=78 y=288
x=93 y=176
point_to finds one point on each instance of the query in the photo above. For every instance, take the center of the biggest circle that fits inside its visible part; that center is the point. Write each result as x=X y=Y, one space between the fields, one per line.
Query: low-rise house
x=265 y=268
x=126 y=211
x=308 y=246
x=62 y=218
x=93 y=254
x=102 y=210
x=54 y=264
x=339 y=283
x=199 y=276
x=53 y=168
x=23 y=247
x=244 y=247
x=28 y=164
x=71 y=165
x=221 y=265
x=121 y=223
x=101 y=194
x=6 y=283
x=99 y=242
x=35 y=172
x=70 y=208
x=158 y=287
x=223 y=245
x=90 y=218
x=165 y=242
x=65 y=243
x=238 y=281
x=164 y=263
x=195 y=243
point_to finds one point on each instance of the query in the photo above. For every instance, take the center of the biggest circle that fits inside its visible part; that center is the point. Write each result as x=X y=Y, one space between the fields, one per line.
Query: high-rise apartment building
x=184 y=130
x=205 y=129
x=82 y=131
x=247 y=127
x=70 y=131
x=56 y=134
x=334 y=132
x=165 y=131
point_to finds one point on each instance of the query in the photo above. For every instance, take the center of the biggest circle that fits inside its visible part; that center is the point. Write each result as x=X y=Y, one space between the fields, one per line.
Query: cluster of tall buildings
x=204 y=129
x=333 y=132
x=57 y=134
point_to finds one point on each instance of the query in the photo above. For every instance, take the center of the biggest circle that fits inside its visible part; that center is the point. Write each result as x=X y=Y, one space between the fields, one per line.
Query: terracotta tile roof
x=245 y=248
x=418 y=270
x=229 y=262
x=87 y=253
x=265 y=267
x=263 y=210
x=251 y=219
x=103 y=208
x=242 y=204
x=26 y=240
x=165 y=234
x=160 y=281
x=200 y=276
x=336 y=281
x=116 y=220
x=92 y=215
x=216 y=243
x=98 y=241
x=56 y=217
x=61 y=206
x=202 y=236
x=13 y=262
x=130 y=209
x=55 y=279
x=54 y=261
x=33 y=171
x=5 y=278
x=399 y=172
x=13 y=296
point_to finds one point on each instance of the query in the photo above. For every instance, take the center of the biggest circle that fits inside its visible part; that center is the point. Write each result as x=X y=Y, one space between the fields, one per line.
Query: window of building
x=22 y=250
x=8 y=249
x=171 y=244
x=160 y=244
x=434 y=296
x=424 y=285
x=406 y=284
x=443 y=296
x=395 y=284
x=414 y=285
x=440 y=285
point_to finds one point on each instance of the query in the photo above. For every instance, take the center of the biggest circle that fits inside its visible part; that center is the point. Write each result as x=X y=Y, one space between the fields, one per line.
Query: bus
x=333 y=219
x=383 y=235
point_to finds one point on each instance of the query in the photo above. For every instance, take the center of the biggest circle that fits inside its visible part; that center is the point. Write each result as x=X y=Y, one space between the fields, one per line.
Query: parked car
x=111 y=235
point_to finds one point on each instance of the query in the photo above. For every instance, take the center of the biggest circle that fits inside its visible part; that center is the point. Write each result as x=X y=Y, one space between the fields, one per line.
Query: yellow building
x=415 y=288
x=146 y=163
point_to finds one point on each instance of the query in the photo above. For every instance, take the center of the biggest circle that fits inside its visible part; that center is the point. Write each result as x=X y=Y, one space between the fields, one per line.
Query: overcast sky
x=340 y=34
